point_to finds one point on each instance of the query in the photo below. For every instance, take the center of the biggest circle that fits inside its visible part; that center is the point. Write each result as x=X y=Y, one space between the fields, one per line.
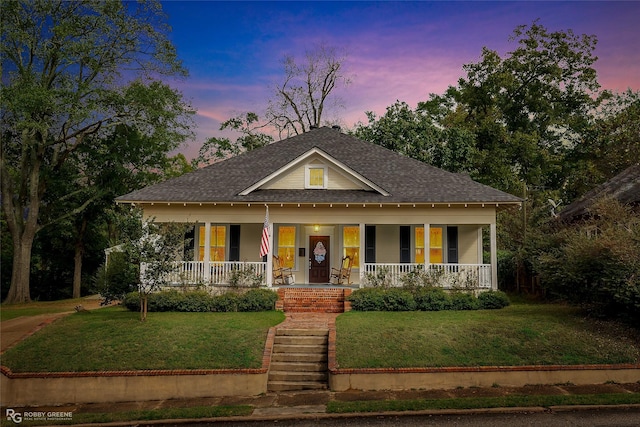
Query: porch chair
x=343 y=273
x=281 y=274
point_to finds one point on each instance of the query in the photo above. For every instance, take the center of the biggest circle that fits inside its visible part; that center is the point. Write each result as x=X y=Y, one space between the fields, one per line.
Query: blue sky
x=395 y=50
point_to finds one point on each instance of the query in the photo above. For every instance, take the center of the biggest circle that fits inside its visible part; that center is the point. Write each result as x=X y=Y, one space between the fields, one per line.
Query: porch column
x=494 y=258
x=480 y=247
x=207 y=252
x=427 y=247
x=363 y=253
x=269 y=271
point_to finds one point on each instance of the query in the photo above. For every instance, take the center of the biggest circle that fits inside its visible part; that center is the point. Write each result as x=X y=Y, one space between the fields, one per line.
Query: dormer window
x=316 y=177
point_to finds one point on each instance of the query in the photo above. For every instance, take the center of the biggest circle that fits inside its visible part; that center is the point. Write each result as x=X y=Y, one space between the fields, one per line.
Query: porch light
x=316 y=227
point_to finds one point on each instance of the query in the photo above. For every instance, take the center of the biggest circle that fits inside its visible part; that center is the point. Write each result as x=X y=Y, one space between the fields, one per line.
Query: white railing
x=448 y=275
x=193 y=272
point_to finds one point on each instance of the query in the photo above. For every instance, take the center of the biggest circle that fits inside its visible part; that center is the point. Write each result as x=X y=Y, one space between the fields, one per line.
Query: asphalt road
x=607 y=417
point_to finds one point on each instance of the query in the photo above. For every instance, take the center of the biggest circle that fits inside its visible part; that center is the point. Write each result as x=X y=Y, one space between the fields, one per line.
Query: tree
x=527 y=109
x=414 y=134
x=300 y=101
x=221 y=148
x=71 y=73
x=155 y=248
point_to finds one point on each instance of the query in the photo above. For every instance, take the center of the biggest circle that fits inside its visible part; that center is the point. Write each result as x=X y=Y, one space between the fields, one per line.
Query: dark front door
x=319 y=265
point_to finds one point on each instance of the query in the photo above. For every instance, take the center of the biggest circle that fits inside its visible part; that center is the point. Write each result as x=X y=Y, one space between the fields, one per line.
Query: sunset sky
x=395 y=50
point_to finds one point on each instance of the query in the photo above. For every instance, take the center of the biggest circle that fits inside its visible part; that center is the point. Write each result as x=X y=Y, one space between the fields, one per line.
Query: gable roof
x=398 y=179
x=624 y=187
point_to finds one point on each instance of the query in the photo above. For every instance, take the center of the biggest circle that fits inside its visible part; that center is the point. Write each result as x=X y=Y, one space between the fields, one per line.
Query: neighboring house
x=330 y=195
x=624 y=187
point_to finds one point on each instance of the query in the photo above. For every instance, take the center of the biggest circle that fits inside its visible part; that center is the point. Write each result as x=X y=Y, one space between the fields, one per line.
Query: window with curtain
x=419 y=255
x=218 y=243
x=287 y=246
x=435 y=245
x=351 y=244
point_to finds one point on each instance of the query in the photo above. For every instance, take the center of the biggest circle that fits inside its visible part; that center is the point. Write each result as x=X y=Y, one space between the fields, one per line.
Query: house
x=624 y=187
x=330 y=195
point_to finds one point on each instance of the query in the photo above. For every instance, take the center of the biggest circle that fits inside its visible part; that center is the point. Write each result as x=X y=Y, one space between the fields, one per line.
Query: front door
x=319 y=265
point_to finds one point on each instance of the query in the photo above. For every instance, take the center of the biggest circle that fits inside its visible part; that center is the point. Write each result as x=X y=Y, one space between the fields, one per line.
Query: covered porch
x=312 y=240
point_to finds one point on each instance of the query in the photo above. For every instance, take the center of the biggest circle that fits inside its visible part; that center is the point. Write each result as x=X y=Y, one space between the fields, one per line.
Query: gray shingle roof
x=406 y=180
x=625 y=187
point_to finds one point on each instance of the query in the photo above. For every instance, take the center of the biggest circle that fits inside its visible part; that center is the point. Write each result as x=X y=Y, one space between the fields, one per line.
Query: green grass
x=482 y=402
x=156 y=414
x=11 y=311
x=115 y=339
x=521 y=334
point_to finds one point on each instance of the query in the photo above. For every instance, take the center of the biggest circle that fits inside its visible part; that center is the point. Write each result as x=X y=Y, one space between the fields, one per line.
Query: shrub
x=257 y=300
x=419 y=278
x=245 y=278
x=492 y=300
x=117 y=278
x=367 y=299
x=431 y=299
x=463 y=301
x=398 y=299
x=225 y=302
x=201 y=301
x=380 y=279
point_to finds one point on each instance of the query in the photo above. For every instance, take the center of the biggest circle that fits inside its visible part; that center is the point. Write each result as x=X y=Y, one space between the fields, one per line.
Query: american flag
x=264 y=244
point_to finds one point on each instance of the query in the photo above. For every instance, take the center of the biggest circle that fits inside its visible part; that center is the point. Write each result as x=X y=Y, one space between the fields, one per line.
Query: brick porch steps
x=312 y=300
x=299 y=360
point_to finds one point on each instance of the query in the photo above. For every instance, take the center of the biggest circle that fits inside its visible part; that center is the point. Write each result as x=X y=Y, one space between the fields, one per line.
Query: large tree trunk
x=77 y=259
x=19 y=290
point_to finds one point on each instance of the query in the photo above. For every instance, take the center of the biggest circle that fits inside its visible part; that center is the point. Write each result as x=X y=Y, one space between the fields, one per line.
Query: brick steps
x=299 y=360
x=312 y=300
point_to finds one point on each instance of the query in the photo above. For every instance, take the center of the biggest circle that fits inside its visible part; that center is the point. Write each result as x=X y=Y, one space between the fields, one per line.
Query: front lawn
x=521 y=334
x=34 y=308
x=115 y=339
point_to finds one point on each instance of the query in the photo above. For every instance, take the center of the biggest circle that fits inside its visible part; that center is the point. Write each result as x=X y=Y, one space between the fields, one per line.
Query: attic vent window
x=315 y=177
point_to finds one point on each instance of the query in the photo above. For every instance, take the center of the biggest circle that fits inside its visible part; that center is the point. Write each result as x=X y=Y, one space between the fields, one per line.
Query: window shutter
x=405 y=244
x=370 y=243
x=452 y=245
x=234 y=242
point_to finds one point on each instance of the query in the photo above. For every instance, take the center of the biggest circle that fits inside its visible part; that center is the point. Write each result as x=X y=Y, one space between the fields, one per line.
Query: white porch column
x=363 y=253
x=207 y=251
x=480 y=247
x=427 y=247
x=494 y=258
x=269 y=271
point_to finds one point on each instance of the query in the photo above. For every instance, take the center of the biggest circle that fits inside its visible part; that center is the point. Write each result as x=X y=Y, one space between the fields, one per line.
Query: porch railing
x=446 y=275
x=220 y=273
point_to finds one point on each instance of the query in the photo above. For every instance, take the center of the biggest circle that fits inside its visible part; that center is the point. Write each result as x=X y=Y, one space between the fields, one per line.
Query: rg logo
x=14 y=416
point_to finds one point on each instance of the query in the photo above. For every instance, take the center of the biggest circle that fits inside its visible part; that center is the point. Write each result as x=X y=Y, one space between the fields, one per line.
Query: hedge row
x=424 y=299
x=202 y=301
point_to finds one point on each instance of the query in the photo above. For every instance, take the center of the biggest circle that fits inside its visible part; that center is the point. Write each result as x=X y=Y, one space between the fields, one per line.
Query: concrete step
x=297 y=376
x=305 y=332
x=300 y=348
x=299 y=366
x=300 y=340
x=298 y=357
x=297 y=385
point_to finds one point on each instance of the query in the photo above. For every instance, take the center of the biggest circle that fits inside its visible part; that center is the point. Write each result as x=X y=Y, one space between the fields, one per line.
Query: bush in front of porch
x=202 y=301
x=424 y=298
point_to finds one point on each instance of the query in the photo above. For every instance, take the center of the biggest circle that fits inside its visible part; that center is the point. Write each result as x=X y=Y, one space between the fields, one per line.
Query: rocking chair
x=343 y=274
x=281 y=275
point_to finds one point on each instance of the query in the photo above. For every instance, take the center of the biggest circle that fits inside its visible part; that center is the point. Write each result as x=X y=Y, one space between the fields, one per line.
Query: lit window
x=351 y=244
x=287 y=246
x=435 y=245
x=316 y=177
x=218 y=243
x=419 y=245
